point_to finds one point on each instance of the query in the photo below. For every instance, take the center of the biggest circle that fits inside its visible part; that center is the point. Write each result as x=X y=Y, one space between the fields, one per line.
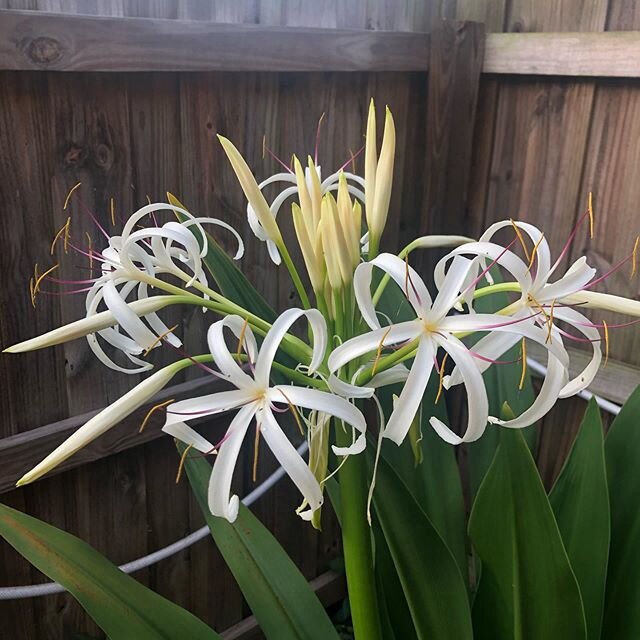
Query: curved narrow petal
x=574 y=280
x=207 y=405
x=554 y=381
x=477 y=401
x=127 y=318
x=189 y=436
x=290 y=460
x=220 y=351
x=219 y=223
x=410 y=398
x=347 y=390
x=543 y=253
x=221 y=502
x=277 y=332
x=451 y=288
x=411 y=284
x=586 y=376
x=397 y=373
x=370 y=342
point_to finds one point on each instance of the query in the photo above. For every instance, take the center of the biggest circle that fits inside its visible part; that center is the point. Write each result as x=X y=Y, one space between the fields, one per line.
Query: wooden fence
x=472 y=148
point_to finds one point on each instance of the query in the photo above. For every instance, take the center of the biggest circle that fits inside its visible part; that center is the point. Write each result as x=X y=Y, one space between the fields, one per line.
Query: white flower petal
x=290 y=460
x=406 y=407
x=189 y=436
x=477 y=402
x=574 y=280
x=220 y=351
x=405 y=277
x=451 y=288
x=586 y=376
x=221 y=503
x=347 y=390
x=207 y=405
x=370 y=342
x=277 y=332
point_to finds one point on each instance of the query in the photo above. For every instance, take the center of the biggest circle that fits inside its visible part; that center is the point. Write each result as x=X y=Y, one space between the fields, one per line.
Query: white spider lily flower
x=91 y=324
x=136 y=258
x=546 y=301
x=433 y=329
x=104 y=420
x=255 y=397
x=378 y=174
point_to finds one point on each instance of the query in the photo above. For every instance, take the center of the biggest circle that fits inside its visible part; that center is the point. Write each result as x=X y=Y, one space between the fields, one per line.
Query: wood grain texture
x=38 y=41
x=457 y=51
x=609 y=54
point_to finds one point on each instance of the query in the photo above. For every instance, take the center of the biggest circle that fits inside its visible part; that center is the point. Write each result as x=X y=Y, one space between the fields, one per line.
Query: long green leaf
x=527 y=588
x=279 y=596
x=430 y=578
x=120 y=605
x=232 y=282
x=580 y=501
x=622 y=452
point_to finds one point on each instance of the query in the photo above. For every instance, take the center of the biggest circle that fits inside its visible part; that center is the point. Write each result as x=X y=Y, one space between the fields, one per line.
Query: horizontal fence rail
x=36 y=41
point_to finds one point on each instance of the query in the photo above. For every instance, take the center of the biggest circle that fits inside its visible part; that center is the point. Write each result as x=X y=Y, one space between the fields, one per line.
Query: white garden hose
x=48 y=588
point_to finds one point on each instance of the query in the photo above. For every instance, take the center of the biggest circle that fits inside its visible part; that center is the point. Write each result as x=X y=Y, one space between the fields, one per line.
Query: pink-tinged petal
x=408 y=403
x=477 y=402
x=277 y=332
x=370 y=342
x=290 y=460
x=586 y=376
x=221 y=353
x=221 y=502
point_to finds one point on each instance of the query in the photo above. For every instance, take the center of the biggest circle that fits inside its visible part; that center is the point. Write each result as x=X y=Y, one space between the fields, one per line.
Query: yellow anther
x=634 y=257
x=148 y=199
x=39 y=278
x=520 y=238
x=243 y=331
x=534 y=252
x=31 y=293
x=256 y=449
x=590 y=208
x=66 y=201
x=550 y=321
x=379 y=351
x=353 y=160
x=264 y=146
x=606 y=342
x=64 y=229
x=294 y=411
x=156 y=407
x=161 y=337
x=183 y=457
x=524 y=364
x=113 y=212
x=441 y=372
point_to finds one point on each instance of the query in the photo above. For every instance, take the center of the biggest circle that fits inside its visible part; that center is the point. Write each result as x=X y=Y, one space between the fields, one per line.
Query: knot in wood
x=103 y=156
x=44 y=50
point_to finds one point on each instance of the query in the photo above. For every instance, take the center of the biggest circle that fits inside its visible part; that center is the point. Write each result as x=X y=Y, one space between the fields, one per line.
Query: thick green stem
x=356 y=543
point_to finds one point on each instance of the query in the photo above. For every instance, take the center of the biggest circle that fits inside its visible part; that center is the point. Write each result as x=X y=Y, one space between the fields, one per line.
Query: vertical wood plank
x=456 y=56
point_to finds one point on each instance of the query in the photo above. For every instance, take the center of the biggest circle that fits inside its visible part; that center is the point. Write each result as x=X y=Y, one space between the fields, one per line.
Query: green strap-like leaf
x=527 y=588
x=622 y=452
x=430 y=578
x=279 y=596
x=120 y=605
x=580 y=501
x=232 y=282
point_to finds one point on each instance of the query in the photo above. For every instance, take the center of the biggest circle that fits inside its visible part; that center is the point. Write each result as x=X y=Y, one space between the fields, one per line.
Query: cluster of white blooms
x=355 y=348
